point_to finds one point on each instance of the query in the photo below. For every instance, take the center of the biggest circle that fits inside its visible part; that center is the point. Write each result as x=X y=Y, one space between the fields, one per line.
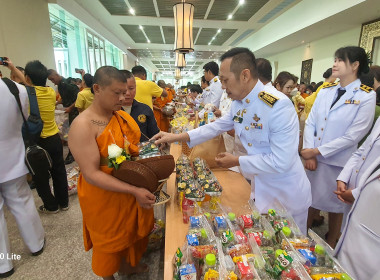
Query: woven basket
x=185 y=148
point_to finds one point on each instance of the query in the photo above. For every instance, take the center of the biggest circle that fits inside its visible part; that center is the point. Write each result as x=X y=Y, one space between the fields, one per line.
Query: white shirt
x=225 y=103
x=12 y=150
x=215 y=92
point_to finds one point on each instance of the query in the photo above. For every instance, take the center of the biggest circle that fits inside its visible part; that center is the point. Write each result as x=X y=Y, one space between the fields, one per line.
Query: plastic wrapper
x=72 y=179
x=148 y=149
x=325 y=265
x=157 y=235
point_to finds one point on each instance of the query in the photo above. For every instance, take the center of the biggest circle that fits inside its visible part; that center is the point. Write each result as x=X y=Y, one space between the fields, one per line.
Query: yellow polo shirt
x=84 y=99
x=46 y=103
x=145 y=90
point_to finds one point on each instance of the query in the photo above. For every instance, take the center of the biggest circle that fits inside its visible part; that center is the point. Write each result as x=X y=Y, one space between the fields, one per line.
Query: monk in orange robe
x=158 y=104
x=117 y=217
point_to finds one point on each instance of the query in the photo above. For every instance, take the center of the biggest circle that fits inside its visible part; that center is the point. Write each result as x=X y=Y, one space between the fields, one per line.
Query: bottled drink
x=187 y=209
x=320 y=254
x=287 y=232
x=210 y=268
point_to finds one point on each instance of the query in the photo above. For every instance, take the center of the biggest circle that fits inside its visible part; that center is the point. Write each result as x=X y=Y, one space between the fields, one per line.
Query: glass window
x=77 y=46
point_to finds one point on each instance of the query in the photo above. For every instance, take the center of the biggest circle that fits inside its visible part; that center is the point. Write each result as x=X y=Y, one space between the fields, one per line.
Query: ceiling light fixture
x=141 y=27
x=183 y=22
x=241 y=2
x=219 y=30
x=229 y=16
x=180 y=61
x=132 y=11
x=148 y=41
x=177 y=74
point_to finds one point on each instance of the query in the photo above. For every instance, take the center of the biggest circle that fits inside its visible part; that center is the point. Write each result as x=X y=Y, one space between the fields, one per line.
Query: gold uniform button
x=363 y=158
x=247 y=101
x=322 y=128
x=244 y=111
x=325 y=119
x=247 y=128
x=357 y=171
x=319 y=138
x=250 y=144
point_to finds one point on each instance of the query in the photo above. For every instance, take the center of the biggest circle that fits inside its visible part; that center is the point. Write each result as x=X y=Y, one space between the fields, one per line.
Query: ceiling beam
x=142 y=20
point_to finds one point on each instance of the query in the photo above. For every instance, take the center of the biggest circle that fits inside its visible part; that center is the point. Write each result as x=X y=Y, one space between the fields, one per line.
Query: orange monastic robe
x=161 y=119
x=112 y=221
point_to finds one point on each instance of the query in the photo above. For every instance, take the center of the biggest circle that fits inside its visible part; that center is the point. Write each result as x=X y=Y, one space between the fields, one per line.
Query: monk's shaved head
x=106 y=74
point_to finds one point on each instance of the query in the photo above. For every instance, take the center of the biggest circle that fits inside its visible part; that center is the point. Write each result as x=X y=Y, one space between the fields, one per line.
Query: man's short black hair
x=213 y=67
x=105 y=74
x=127 y=74
x=196 y=88
x=242 y=58
x=37 y=72
x=138 y=70
x=205 y=81
x=264 y=69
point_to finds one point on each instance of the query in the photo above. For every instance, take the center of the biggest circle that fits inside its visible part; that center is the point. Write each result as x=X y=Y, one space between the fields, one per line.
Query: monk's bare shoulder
x=83 y=124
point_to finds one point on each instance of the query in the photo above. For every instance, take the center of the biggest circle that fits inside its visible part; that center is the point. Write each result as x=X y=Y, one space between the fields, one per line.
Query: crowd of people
x=294 y=142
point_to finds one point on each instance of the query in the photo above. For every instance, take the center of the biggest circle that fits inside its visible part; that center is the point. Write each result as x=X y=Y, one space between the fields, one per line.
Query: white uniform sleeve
x=345 y=174
x=283 y=139
x=209 y=131
x=215 y=95
x=309 y=130
x=360 y=126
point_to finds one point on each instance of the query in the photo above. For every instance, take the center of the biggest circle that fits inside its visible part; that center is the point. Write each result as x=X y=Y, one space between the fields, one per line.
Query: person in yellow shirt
x=85 y=97
x=309 y=101
x=36 y=75
x=146 y=90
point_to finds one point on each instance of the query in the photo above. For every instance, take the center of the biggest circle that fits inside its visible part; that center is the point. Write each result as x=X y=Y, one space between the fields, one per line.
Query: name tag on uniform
x=257 y=125
x=352 y=102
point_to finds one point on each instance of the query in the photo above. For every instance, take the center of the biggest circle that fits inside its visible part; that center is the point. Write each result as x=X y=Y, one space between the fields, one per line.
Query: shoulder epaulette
x=215 y=79
x=365 y=88
x=268 y=98
x=330 y=85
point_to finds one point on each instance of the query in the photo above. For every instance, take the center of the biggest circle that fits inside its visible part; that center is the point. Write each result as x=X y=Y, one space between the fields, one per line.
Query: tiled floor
x=64 y=256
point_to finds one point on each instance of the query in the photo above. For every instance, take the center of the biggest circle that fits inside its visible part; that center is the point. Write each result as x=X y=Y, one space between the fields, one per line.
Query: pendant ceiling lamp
x=177 y=74
x=180 y=61
x=183 y=20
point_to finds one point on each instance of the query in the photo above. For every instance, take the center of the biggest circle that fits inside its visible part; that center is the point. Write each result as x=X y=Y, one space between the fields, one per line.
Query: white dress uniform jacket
x=359 y=245
x=267 y=126
x=336 y=132
x=215 y=92
x=224 y=107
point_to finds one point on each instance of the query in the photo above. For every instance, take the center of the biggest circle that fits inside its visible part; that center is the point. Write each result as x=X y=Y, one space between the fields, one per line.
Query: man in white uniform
x=268 y=128
x=359 y=182
x=14 y=189
x=211 y=72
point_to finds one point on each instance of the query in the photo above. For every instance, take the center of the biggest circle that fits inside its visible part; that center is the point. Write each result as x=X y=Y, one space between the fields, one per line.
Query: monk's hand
x=145 y=198
x=311 y=164
x=226 y=160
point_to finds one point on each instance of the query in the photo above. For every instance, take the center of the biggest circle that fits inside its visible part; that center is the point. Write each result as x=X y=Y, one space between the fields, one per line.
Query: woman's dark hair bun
x=327 y=73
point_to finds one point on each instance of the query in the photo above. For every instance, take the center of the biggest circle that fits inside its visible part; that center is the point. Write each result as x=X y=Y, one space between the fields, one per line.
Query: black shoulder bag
x=37 y=159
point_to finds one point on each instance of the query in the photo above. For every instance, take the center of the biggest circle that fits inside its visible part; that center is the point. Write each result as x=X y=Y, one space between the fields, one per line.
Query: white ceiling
x=277 y=26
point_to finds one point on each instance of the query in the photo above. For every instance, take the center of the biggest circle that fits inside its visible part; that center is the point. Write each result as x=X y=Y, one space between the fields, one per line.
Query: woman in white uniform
x=341 y=116
x=359 y=183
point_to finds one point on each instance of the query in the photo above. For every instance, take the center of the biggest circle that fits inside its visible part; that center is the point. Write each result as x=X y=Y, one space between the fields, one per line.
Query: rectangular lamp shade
x=183 y=21
x=180 y=61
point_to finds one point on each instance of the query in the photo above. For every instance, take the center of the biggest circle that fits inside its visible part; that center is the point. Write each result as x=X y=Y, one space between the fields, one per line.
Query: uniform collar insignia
x=256 y=118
